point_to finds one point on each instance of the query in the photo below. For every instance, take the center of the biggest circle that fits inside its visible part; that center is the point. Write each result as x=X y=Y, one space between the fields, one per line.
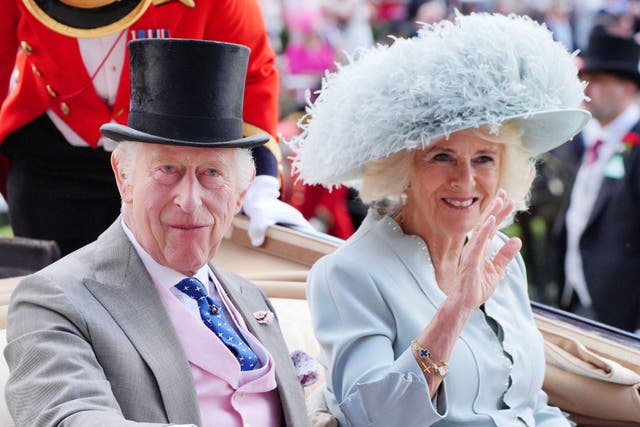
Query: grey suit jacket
x=90 y=343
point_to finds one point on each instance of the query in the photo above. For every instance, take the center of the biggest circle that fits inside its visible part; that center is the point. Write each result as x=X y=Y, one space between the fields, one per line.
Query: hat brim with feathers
x=481 y=69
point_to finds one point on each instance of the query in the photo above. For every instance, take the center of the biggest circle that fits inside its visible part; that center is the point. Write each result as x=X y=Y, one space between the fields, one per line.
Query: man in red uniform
x=70 y=75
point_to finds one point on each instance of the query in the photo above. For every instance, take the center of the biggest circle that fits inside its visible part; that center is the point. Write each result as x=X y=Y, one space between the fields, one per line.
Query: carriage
x=592 y=370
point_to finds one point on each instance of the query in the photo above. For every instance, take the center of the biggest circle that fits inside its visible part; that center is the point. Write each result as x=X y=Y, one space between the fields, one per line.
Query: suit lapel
x=248 y=299
x=606 y=191
x=125 y=289
x=607 y=188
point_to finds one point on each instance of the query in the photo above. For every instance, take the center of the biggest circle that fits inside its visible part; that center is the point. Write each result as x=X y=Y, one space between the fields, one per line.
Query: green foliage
x=5 y=231
x=512 y=230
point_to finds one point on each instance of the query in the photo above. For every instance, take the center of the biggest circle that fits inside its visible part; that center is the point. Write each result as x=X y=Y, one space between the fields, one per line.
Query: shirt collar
x=161 y=274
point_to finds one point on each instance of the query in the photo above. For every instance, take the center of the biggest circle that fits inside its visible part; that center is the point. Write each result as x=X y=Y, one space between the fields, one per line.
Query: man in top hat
x=70 y=75
x=598 y=235
x=138 y=326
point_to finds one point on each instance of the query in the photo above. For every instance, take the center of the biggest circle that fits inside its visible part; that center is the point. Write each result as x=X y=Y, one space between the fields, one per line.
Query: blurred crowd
x=310 y=36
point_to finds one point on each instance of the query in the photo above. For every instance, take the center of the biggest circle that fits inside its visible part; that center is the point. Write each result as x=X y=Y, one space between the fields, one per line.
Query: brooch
x=264 y=317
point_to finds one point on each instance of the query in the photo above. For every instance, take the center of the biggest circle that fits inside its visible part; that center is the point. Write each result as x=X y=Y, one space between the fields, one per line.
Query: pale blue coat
x=371 y=297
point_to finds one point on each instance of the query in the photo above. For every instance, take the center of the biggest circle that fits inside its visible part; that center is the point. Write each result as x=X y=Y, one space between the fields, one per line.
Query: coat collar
x=124 y=288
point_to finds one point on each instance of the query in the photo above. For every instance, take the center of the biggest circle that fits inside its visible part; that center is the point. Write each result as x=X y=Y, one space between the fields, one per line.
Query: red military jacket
x=49 y=71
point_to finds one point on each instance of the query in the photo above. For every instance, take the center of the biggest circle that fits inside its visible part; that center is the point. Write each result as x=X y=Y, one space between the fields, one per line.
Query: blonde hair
x=385 y=180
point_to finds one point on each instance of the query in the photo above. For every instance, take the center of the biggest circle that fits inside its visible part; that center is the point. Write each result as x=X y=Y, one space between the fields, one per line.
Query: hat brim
x=87 y=22
x=119 y=133
x=541 y=132
x=620 y=70
x=546 y=130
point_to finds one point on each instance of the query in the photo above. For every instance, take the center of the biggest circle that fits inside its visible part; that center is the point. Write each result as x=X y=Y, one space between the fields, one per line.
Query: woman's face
x=452 y=182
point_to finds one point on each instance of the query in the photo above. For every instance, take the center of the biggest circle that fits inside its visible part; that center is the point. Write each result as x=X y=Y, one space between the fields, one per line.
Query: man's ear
x=122 y=180
x=632 y=88
x=242 y=194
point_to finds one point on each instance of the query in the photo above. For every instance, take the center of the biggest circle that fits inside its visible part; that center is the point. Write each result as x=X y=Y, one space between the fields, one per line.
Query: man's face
x=610 y=95
x=179 y=201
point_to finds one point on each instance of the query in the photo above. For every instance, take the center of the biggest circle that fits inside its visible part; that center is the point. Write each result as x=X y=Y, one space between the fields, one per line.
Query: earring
x=403 y=199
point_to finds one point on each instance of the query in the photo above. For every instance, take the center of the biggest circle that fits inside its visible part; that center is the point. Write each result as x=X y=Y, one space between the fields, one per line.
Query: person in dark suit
x=598 y=234
x=138 y=326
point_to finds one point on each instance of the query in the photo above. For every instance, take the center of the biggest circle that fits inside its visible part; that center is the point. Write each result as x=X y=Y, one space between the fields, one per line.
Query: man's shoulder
x=66 y=272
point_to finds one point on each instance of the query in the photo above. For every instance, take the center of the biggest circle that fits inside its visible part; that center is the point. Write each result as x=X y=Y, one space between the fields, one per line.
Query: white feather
x=479 y=69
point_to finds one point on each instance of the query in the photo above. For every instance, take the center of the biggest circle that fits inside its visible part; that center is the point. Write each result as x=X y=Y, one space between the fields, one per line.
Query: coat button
x=65 y=108
x=52 y=93
x=26 y=47
x=36 y=71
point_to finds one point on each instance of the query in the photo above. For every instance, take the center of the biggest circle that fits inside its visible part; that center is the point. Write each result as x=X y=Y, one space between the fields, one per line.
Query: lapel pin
x=264 y=317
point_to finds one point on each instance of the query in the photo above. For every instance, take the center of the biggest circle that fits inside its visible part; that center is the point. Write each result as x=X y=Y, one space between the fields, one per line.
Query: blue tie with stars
x=214 y=319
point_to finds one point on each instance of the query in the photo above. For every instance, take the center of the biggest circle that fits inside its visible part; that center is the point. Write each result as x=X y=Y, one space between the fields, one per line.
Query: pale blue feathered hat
x=481 y=69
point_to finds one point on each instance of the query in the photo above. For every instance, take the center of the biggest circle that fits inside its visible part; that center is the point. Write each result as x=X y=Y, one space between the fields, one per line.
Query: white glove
x=264 y=209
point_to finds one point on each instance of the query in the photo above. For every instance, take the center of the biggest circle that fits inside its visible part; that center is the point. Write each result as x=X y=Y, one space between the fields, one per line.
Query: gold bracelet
x=423 y=354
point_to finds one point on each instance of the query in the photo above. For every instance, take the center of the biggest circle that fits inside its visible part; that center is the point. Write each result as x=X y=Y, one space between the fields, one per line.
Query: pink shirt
x=227 y=396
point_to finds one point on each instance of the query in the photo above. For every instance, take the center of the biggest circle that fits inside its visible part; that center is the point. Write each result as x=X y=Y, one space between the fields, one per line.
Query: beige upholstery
x=6 y=286
x=599 y=382
x=295 y=322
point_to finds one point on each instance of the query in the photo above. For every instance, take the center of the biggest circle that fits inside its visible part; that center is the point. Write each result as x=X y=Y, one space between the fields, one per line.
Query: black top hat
x=87 y=18
x=612 y=54
x=186 y=92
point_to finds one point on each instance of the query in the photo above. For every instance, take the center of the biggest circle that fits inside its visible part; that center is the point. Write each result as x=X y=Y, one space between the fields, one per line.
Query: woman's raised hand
x=479 y=275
